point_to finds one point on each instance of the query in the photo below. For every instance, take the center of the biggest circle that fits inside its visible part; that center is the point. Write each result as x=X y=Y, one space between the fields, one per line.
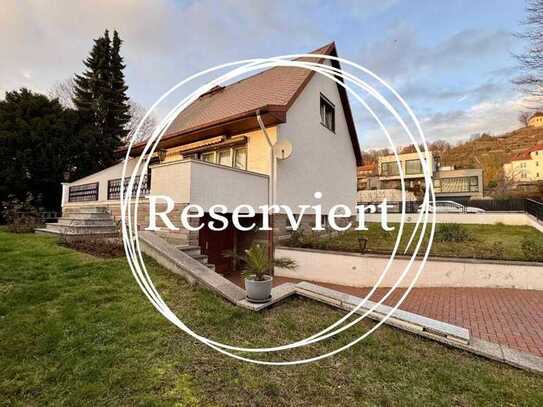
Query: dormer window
x=328 y=118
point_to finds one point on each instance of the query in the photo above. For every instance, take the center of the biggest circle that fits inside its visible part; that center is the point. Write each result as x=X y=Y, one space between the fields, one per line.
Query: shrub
x=532 y=249
x=296 y=238
x=498 y=250
x=21 y=216
x=95 y=246
x=452 y=232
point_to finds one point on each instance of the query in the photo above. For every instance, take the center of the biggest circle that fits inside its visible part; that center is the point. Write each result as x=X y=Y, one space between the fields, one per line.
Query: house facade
x=215 y=152
x=449 y=183
x=526 y=166
x=536 y=120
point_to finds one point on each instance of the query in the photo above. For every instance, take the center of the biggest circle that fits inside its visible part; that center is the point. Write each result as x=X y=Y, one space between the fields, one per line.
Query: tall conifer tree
x=120 y=108
x=100 y=97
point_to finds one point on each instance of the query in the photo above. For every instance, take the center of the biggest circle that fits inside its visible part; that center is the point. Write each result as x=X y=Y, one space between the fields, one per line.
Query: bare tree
x=137 y=112
x=64 y=92
x=531 y=60
x=524 y=118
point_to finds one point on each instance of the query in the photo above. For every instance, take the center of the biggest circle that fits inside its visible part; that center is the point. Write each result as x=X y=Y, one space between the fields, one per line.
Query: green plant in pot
x=258 y=271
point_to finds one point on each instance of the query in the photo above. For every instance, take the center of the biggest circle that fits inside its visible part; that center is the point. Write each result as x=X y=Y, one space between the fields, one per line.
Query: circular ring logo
x=129 y=208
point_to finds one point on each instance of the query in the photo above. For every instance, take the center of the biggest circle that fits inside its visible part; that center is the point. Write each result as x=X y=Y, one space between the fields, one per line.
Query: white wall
x=487 y=218
x=321 y=160
x=356 y=270
x=206 y=184
x=113 y=172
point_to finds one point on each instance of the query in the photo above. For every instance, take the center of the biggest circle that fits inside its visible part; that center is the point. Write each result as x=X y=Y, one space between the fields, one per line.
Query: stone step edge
x=412 y=320
x=54 y=232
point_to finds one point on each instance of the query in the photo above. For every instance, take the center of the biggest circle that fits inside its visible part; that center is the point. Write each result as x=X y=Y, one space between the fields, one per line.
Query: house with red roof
x=526 y=166
x=215 y=152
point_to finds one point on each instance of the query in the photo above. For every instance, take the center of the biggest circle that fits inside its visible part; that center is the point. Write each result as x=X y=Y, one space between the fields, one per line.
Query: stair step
x=84 y=209
x=86 y=222
x=86 y=215
x=81 y=230
x=191 y=250
x=202 y=258
x=54 y=232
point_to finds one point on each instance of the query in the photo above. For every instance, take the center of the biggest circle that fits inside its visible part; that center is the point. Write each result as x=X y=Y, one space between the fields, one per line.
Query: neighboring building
x=366 y=177
x=215 y=153
x=526 y=166
x=449 y=183
x=536 y=120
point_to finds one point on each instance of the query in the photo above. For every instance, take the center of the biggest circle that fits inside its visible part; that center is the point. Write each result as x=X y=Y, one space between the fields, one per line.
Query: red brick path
x=501 y=315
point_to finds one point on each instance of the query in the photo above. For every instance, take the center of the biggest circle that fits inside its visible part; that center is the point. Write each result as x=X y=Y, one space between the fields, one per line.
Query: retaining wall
x=357 y=270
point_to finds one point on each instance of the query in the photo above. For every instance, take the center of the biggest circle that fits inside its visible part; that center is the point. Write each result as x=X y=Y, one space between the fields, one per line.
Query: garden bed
x=489 y=242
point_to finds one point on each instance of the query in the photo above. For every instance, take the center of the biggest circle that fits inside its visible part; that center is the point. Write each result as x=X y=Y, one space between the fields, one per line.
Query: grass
x=76 y=330
x=500 y=242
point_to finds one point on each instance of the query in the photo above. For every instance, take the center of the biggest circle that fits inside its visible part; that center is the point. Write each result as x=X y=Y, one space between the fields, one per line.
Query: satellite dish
x=282 y=150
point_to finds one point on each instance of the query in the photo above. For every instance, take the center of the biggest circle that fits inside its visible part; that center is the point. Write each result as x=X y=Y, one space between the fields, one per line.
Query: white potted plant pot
x=258 y=290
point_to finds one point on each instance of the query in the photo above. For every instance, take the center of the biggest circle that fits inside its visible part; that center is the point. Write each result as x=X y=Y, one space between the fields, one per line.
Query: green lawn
x=76 y=330
x=499 y=242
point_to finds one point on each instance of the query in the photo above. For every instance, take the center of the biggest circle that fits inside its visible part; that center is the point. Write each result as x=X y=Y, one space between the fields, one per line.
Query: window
x=437 y=185
x=389 y=169
x=474 y=184
x=413 y=167
x=209 y=157
x=457 y=184
x=328 y=119
x=240 y=158
x=224 y=157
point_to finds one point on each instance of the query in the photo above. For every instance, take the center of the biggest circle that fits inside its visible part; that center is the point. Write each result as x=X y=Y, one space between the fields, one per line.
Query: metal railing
x=114 y=187
x=489 y=205
x=83 y=193
x=535 y=209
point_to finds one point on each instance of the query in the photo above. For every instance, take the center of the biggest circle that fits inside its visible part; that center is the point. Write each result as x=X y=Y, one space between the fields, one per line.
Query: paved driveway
x=501 y=315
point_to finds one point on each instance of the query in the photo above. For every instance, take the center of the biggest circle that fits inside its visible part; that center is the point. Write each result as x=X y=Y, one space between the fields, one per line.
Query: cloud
x=400 y=53
x=164 y=40
x=494 y=117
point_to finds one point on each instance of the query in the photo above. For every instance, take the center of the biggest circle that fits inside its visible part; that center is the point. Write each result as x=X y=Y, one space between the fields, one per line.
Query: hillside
x=491 y=152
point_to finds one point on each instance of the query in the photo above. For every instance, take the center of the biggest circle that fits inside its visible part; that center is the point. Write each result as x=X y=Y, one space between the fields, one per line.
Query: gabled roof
x=232 y=109
x=525 y=154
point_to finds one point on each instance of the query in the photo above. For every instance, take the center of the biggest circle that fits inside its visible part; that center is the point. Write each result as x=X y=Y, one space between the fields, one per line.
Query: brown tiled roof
x=525 y=155
x=274 y=88
x=273 y=91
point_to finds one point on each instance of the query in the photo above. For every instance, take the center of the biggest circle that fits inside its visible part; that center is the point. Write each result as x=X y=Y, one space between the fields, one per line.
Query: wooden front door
x=214 y=243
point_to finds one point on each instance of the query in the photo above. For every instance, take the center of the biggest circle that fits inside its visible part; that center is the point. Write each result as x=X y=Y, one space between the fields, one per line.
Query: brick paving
x=510 y=317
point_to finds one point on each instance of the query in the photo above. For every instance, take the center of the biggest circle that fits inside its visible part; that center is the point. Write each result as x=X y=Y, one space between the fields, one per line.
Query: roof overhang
x=242 y=123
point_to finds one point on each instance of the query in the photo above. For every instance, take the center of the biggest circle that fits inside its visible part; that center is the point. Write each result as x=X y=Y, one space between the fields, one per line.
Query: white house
x=527 y=166
x=215 y=153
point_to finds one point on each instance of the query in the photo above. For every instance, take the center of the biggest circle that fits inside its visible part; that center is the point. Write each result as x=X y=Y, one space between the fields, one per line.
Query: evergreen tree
x=39 y=143
x=100 y=97
x=120 y=108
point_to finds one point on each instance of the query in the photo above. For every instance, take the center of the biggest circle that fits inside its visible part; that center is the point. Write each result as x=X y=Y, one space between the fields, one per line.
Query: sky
x=452 y=61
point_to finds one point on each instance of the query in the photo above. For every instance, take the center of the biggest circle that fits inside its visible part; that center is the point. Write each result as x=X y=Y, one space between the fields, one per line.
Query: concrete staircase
x=82 y=221
x=195 y=252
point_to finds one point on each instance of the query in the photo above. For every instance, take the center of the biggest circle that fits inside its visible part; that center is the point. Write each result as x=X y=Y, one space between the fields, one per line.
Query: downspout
x=271 y=183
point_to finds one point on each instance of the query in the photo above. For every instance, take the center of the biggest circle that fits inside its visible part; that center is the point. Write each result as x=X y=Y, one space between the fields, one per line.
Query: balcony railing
x=83 y=193
x=114 y=187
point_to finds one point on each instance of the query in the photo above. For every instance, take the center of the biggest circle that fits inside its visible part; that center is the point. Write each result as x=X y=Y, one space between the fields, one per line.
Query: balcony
x=185 y=181
x=206 y=184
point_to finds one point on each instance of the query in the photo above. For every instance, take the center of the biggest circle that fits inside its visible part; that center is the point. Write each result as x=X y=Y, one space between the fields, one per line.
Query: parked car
x=452 y=207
